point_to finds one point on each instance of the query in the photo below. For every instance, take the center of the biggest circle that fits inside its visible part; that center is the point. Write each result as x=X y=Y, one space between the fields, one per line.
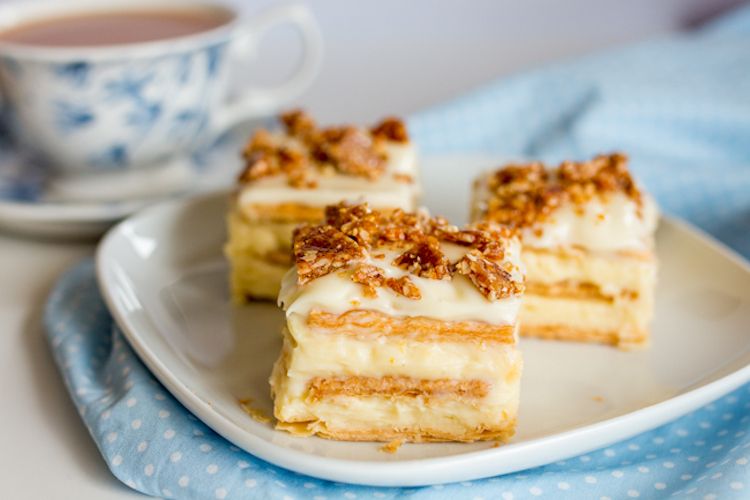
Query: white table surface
x=382 y=57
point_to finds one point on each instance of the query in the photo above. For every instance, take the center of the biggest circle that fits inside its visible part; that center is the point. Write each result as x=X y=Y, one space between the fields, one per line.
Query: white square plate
x=164 y=279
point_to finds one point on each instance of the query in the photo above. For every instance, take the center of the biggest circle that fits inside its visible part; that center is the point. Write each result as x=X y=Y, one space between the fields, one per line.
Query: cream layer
x=254 y=277
x=327 y=355
x=452 y=420
x=256 y=237
x=611 y=222
x=457 y=299
x=613 y=273
x=620 y=317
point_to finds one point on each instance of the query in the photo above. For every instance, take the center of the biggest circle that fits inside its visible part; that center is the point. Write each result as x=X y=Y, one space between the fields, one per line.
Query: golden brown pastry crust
x=320 y=388
x=582 y=291
x=373 y=324
x=502 y=432
x=635 y=340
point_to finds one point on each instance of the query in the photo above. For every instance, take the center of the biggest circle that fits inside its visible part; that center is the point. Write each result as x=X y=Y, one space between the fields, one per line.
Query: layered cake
x=400 y=327
x=293 y=173
x=588 y=246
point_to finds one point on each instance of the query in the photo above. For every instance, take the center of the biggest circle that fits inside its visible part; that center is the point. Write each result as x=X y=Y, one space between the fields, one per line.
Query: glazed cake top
x=405 y=264
x=304 y=163
x=595 y=205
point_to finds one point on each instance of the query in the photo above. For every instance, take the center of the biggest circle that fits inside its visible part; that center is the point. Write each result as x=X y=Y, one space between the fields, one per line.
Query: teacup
x=136 y=105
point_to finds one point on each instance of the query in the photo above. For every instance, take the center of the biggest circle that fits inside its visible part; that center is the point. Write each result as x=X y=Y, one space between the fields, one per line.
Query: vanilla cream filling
x=257 y=238
x=387 y=191
x=307 y=356
x=613 y=222
x=612 y=273
x=340 y=355
x=450 y=419
x=456 y=299
x=618 y=317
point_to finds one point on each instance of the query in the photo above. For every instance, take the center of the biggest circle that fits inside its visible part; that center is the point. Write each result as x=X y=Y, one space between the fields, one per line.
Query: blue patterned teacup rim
x=14 y=15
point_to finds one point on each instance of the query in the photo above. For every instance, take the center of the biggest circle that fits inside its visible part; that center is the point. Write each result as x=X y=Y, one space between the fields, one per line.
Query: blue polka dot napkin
x=679 y=106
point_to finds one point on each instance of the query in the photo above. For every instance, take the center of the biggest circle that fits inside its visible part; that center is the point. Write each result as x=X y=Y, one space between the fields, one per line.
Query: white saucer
x=36 y=202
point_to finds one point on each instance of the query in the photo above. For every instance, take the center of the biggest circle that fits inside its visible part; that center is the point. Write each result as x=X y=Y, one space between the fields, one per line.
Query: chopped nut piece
x=362 y=230
x=370 y=276
x=258 y=165
x=493 y=251
x=425 y=259
x=261 y=142
x=392 y=129
x=351 y=150
x=404 y=286
x=297 y=122
x=393 y=446
x=492 y=280
x=320 y=250
x=338 y=215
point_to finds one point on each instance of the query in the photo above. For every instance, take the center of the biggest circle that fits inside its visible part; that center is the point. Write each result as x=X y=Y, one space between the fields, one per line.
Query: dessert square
x=587 y=231
x=292 y=174
x=400 y=327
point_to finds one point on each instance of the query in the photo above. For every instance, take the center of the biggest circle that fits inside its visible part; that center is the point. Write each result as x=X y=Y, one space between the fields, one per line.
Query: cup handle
x=254 y=102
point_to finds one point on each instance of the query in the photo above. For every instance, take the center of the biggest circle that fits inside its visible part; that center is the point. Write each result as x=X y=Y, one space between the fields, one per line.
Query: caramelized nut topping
x=404 y=286
x=257 y=165
x=320 y=250
x=526 y=194
x=492 y=280
x=308 y=149
x=391 y=129
x=425 y=260
x=351 y=151
x=297 y=122
x=371 y=277
x=352 y=232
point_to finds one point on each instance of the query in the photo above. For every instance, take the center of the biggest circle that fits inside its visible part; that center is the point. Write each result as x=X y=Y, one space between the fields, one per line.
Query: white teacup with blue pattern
x=134 y=106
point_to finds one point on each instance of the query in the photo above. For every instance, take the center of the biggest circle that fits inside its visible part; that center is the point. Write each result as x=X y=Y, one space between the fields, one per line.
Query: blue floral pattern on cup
x=151 y=107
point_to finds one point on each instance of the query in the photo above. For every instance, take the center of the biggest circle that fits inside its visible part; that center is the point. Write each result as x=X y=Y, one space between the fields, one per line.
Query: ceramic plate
x=163 y=277
x=35 y=201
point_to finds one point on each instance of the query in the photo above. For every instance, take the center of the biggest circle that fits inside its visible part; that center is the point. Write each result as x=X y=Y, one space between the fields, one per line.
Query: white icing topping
x=613 y=222
x=456 y=299
x=599 y=225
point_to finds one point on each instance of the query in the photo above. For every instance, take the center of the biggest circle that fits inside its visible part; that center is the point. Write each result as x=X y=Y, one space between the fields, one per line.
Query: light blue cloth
x=680 y=106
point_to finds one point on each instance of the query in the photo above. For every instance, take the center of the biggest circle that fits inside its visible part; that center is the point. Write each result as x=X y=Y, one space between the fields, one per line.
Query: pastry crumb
x=496 y=445
x=392 y=446
x=597 y=398
x=257 y=414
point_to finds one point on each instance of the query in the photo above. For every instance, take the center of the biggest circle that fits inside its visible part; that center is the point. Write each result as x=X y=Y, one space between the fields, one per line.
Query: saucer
x=35 y=201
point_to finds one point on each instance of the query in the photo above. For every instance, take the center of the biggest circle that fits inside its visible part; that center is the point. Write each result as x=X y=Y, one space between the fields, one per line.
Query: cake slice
x=400 y=327
x=292 y=174
x=588 y=246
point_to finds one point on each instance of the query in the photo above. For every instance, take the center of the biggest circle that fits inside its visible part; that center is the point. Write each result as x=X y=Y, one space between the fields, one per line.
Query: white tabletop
x=382 y=57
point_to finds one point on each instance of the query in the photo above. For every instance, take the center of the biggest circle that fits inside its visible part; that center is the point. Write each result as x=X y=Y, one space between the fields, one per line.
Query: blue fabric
x=679 y=106
x=156 y=446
